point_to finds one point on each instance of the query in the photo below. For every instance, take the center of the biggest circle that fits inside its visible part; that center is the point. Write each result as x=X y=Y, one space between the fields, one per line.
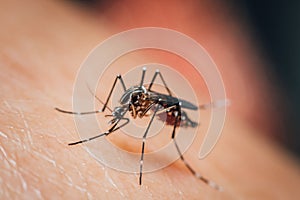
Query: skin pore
x=43 y=44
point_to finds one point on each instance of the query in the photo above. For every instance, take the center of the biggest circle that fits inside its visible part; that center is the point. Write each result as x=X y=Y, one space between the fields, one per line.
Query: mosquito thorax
x=126 y=98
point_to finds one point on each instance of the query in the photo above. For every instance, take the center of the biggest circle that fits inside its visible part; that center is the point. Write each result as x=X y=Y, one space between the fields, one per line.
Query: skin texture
x=42 y=46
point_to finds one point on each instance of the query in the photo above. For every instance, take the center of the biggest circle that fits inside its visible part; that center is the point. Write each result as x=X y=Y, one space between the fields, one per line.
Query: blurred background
x=275 y=27
x=254 y=45
x=276 y=24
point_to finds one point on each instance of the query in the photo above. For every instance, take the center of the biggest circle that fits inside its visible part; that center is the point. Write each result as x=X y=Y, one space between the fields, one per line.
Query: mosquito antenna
x=97 y=97
x=143 y=76
x=85 y=113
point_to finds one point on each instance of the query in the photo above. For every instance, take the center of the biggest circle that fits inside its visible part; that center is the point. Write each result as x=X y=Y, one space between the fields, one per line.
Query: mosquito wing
x=170 y=100
x=187 y=104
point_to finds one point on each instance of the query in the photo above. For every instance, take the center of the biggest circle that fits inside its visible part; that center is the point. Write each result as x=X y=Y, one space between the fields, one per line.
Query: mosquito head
x=134 y=91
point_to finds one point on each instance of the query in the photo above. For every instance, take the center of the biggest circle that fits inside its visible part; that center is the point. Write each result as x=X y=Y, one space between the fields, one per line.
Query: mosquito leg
x=89 y=139
x=102 y=134
x=78 y=113
x=187 y=121
x=157 y=72
x=205 y=180
x=112 y=129
x=143 y=76
x=143 y=145
x=118 y=77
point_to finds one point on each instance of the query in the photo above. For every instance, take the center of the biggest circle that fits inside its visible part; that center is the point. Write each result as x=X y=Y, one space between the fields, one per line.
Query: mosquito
x=138 y=100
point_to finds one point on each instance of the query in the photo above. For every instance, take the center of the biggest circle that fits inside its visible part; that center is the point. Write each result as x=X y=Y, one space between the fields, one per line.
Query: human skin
x=42 y=46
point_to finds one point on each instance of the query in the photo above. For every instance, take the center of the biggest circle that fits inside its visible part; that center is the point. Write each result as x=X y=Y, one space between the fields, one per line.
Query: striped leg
x=205 y=180
x=112 y=129
x=157 y=72
x=143 y=145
